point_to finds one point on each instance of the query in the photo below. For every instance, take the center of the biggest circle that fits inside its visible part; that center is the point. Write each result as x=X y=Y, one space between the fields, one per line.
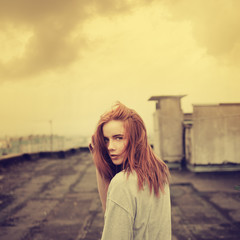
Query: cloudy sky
x=69 y=61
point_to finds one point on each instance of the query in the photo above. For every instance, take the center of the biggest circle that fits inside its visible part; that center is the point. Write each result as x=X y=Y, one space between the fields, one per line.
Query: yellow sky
x=69 y=61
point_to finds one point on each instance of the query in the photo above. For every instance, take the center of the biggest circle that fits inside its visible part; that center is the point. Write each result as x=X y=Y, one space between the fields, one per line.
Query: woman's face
x=115 y=139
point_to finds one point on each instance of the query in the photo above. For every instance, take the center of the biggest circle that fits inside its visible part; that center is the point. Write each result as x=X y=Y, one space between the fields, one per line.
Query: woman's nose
x=111 y=145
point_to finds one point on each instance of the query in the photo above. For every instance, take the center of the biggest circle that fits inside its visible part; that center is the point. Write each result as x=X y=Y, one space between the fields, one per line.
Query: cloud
x=215 y=25
x=55 y=32
x=40 y=36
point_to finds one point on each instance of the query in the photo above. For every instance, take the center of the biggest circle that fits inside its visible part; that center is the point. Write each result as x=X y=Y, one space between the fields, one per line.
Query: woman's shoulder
x=123 y=181
x=123 y=177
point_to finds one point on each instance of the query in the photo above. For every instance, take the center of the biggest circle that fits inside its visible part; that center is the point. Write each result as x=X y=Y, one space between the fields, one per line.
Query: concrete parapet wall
x=19 y=158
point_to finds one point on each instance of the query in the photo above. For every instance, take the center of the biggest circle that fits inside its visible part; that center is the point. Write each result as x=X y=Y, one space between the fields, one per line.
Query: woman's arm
x=102 y=189
x=101 y=182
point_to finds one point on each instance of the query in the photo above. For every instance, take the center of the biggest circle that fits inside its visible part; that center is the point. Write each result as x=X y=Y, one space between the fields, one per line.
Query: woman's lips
x=114 y=157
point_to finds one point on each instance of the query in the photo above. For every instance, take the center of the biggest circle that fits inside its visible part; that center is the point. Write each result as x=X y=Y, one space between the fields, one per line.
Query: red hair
x=139 y=156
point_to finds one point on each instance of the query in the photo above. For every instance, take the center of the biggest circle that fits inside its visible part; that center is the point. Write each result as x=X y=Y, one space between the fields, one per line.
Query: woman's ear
x=92 y=144
x=90 y=147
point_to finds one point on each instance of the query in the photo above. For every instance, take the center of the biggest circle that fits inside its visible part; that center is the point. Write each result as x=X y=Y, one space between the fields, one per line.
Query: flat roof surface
x=53 y=198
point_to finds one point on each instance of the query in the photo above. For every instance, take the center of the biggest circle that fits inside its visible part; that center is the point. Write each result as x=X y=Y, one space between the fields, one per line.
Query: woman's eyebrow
x=118 y=135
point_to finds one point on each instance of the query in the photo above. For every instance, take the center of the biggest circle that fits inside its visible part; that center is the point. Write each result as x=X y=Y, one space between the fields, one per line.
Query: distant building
x=206 y=140
x=212 y=139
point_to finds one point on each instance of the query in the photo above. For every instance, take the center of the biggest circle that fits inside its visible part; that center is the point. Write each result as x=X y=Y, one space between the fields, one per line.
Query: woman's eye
x=119 y=138
x=105 y=140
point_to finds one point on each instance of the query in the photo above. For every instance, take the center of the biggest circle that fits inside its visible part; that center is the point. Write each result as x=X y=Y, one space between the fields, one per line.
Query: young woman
x=133 y=183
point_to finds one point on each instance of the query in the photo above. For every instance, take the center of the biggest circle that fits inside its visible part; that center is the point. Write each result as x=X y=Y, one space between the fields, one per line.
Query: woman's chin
x=117 y=162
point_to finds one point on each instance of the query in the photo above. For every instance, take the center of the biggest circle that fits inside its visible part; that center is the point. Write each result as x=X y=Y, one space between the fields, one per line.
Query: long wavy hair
x=139 y=156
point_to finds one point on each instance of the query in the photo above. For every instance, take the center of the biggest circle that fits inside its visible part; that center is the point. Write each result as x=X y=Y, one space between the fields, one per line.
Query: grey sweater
x=136 y=214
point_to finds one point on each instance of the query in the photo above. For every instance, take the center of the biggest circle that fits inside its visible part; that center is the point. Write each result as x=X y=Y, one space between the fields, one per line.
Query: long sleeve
x=118 y=223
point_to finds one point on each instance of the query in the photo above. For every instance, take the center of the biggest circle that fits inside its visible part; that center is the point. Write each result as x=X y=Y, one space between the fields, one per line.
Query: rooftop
x=57 y=198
